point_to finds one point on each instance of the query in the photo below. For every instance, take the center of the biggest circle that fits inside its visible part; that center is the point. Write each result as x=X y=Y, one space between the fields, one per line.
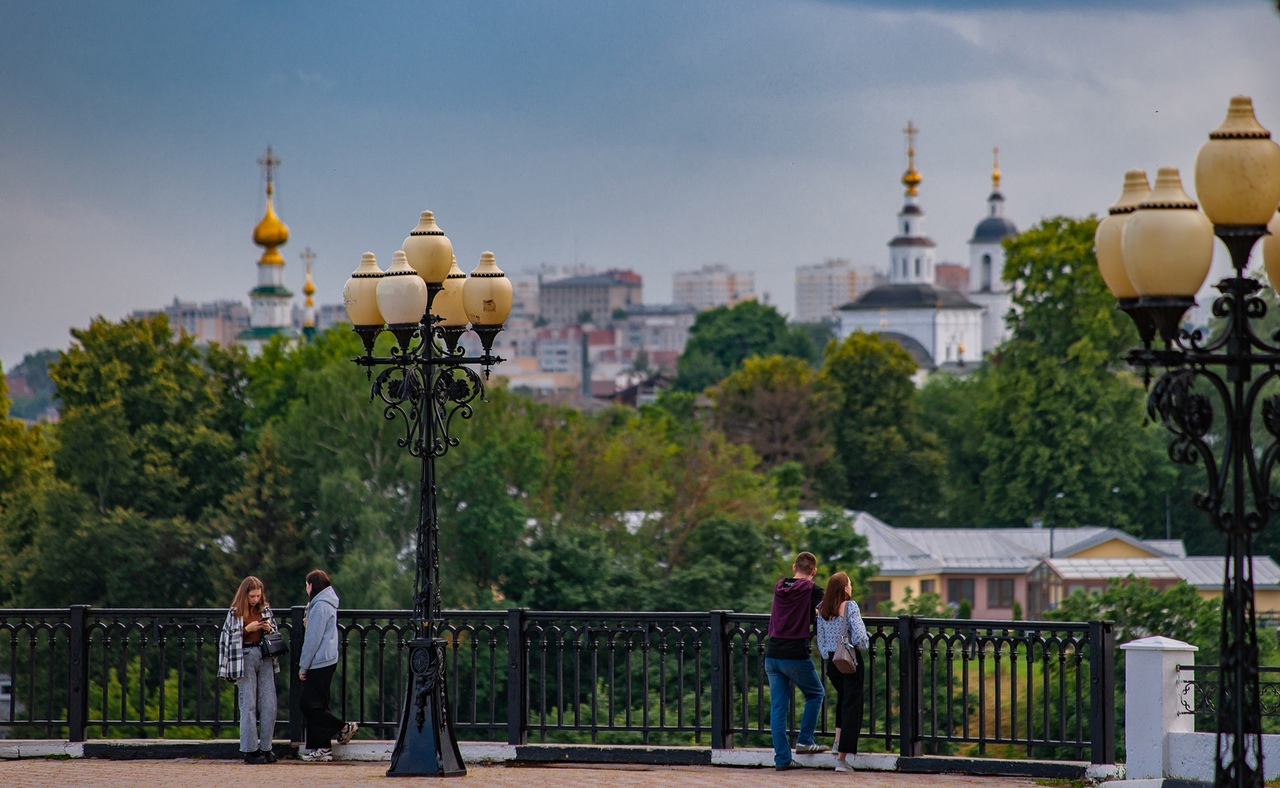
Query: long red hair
x=834 y=597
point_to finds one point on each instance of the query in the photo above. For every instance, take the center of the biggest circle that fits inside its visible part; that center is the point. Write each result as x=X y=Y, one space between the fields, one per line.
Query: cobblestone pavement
x=186 y=773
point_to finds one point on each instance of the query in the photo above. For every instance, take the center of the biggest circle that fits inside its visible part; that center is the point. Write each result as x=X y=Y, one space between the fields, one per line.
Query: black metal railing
x=933 y=686
x=1199 y=695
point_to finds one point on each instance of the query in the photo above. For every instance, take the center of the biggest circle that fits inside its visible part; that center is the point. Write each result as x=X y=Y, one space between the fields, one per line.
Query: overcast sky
x=656 y=136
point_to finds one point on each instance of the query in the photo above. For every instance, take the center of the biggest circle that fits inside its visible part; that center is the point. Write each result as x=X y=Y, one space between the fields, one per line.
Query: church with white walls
x=941 y=327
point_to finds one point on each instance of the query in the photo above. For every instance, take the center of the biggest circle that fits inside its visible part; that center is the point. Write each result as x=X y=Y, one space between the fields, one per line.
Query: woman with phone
x=242 y=661
x=839 y=620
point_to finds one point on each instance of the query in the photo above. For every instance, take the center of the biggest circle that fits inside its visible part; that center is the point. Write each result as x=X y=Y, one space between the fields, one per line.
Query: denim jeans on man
x=257 y=701
x=785 y=675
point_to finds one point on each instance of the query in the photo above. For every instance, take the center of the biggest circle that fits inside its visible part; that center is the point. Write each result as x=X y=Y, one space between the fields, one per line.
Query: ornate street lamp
x=1162 y=258
x=426 y=302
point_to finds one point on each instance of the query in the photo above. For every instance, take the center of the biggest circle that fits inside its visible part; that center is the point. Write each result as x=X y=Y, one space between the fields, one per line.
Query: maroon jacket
x=791 y=617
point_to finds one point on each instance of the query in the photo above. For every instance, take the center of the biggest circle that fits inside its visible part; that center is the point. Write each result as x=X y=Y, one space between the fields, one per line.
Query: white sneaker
x=348 y=730
x=843 y=766
x=321 y=755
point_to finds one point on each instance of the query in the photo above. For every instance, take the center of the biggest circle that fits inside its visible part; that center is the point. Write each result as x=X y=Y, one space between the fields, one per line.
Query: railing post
x=78 y=674
x=721 y=677
x=297 y=725
x=910 y=690
x=517 y=679
x=1102 y=691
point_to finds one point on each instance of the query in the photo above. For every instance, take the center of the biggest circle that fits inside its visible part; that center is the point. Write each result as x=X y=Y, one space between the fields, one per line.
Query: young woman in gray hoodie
x=316 y=665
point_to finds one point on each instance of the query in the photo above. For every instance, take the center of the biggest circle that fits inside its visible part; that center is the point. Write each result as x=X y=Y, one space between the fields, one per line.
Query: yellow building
x=991 y=568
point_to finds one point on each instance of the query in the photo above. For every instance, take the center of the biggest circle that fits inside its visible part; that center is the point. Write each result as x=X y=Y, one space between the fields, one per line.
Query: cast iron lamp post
x=426 y=302
x=1154 y=252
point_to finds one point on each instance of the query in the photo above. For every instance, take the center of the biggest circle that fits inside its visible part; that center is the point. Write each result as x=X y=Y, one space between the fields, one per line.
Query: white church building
x=940 y=327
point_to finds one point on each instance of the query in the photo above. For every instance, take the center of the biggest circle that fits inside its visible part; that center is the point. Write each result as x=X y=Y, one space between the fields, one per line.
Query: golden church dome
x=270 y=231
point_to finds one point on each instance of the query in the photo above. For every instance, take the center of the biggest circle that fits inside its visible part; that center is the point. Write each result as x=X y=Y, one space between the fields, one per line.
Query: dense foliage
x=179 y=469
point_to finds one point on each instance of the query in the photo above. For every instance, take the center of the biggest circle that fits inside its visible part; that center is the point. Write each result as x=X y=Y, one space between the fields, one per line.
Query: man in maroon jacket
x=787 y=660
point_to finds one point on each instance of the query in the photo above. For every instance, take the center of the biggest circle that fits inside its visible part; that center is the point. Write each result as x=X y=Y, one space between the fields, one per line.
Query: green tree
x=1052 y=428
x=258 y=530
x=141 y=414
x=136 y=560
x=723 y=337
x=24 y=470
x=892 y=466
x=485 y=495
x=775 y=405
x=356 y=491
x=832 y=538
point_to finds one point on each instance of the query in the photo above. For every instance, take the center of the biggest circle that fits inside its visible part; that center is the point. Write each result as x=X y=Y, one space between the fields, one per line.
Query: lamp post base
x=425 y=744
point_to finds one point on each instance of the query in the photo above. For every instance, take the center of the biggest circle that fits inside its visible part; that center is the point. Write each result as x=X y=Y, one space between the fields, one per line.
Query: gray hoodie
x=320 y=647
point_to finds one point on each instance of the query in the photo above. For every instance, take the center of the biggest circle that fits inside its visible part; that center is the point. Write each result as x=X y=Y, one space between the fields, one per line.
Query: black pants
x=848 y=688
x=322 y=726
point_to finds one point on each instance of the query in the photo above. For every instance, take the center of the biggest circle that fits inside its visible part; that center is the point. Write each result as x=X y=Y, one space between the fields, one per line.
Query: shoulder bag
x=273 y=645
x=845 y=657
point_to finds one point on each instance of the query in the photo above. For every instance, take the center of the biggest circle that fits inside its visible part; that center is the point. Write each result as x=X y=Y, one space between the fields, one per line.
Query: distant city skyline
x=658 y=137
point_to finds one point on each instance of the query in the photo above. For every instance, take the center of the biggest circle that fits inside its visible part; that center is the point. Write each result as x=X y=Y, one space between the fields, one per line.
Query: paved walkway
x=185 y=773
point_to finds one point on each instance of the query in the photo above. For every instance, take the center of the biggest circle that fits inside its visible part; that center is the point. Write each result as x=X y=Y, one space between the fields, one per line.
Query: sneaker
x=269 y=757
x=843 y=766
x=318 y=756
x=348 y=730
x=787 y=766
x=254 y=757
x=809 y=749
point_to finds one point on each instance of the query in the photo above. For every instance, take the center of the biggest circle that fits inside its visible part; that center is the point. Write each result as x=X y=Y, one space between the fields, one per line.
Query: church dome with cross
x=270 y=302
x=945 y=328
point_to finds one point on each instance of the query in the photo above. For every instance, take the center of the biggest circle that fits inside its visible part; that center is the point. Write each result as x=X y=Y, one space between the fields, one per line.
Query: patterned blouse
x=848 y=626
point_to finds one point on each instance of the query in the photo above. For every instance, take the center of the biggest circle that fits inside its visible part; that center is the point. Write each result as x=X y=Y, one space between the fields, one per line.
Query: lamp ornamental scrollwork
x=1163 y=258
x=425 y=382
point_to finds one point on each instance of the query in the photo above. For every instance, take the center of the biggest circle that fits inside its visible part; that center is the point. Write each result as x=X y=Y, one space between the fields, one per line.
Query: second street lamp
x=426 y=303
x=1162 y=260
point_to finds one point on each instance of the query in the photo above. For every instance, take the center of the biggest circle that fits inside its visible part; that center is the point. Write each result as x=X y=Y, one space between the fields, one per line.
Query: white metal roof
x=1105 y=568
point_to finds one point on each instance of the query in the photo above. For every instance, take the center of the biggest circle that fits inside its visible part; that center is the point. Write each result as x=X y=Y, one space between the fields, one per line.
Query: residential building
x=207 y=323
x=822 y=289
x=588 y=299
x=991 y=568
x=656 y=328
x=714 y=285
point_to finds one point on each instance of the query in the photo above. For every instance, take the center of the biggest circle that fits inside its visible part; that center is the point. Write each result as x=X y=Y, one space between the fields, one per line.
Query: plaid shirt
x=231 y=646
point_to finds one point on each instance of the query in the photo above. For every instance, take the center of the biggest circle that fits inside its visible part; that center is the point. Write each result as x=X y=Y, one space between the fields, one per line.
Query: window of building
x=1000 y=592
x=879 y=592
x=960 y=589
x=917 y=266
x=928 y=586
x=986 y=273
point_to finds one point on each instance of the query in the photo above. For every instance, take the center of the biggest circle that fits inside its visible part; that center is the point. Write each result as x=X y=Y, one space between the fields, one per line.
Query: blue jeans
x=257 y=688
x=785 y=675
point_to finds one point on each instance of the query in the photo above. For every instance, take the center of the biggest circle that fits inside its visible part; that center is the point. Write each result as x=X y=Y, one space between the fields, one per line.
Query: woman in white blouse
x=839 y=619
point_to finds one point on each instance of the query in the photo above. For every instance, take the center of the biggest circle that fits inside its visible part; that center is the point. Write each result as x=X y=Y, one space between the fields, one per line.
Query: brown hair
x=835 y=596
x=319 y=580
x=241 y=602
x=806 y=563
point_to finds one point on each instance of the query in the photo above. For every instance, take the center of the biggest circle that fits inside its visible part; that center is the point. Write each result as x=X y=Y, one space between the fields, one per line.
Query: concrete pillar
x=1152 y=700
